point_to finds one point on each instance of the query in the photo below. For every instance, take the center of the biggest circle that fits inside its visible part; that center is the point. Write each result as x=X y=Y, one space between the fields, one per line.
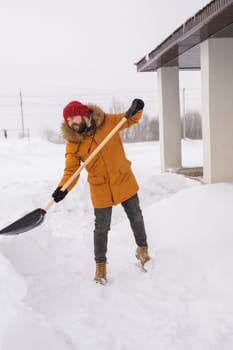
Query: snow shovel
x=36 y=217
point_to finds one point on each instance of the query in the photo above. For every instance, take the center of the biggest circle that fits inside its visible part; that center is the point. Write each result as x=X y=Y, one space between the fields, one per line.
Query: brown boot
x=100 y=273
x=142 y=255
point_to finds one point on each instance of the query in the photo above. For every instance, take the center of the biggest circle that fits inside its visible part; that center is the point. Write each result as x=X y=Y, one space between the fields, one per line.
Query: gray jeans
x=103 y=221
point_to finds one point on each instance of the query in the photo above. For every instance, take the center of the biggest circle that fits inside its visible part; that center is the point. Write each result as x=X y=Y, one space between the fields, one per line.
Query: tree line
x=148 y=128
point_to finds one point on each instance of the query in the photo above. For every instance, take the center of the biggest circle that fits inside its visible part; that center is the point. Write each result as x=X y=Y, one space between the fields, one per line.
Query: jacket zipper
x=106 y=170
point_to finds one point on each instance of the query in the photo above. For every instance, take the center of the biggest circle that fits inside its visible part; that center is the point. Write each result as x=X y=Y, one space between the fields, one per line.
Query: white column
x=169 y=118
x=217 y=109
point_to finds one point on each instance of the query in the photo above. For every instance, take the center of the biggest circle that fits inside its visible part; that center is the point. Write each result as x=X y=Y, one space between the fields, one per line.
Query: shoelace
x=143 y=254
x=100 y=271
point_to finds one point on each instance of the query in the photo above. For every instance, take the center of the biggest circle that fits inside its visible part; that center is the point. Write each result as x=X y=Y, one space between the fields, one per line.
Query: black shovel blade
x=26 y=223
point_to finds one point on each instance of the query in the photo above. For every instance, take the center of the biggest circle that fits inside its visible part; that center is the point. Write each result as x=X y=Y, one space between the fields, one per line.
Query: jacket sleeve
x=116 y=118
x=72 y=163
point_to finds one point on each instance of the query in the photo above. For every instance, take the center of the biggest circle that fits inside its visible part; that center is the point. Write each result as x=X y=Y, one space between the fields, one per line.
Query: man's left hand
x=136 y=106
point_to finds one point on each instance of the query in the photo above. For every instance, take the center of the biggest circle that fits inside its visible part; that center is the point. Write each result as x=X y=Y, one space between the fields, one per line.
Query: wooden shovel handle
x=87 y=161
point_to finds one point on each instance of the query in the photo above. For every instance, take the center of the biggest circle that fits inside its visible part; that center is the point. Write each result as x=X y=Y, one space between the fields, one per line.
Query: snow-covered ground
x=48 y=299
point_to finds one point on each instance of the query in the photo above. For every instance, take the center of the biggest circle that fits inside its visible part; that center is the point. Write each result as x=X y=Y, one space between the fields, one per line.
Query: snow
x=48 y=298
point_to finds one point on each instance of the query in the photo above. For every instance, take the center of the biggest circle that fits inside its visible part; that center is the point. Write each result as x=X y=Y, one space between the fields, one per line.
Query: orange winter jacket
x=110 y=177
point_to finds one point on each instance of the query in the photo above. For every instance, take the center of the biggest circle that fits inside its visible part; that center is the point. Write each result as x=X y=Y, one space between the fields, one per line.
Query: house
x=204 y=42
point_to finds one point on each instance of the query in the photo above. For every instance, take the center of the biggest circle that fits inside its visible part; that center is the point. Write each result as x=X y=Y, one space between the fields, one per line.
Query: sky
x=183 y=301
x=84 y=50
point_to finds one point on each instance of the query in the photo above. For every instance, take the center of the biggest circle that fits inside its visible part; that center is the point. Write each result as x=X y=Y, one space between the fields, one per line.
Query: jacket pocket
x=125 y=167
x=96 y=180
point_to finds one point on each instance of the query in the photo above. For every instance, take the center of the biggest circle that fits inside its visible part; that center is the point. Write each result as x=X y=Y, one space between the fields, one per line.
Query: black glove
x=136 y=106
x=58 y=195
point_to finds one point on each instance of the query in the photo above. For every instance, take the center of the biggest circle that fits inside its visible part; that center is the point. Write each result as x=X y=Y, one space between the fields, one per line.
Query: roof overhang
x=182 y=47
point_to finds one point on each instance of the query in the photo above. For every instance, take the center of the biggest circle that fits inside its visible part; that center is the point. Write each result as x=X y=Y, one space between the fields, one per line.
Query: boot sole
x=101 y=281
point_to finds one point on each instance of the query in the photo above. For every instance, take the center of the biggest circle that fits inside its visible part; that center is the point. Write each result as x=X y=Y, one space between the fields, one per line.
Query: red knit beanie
x=75 y=108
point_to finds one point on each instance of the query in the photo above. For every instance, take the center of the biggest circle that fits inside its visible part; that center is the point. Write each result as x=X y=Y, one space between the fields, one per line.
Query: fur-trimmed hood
x=98 y=116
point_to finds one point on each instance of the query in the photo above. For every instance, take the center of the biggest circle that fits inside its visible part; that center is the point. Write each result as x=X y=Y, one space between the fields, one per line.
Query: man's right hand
x=58 y=194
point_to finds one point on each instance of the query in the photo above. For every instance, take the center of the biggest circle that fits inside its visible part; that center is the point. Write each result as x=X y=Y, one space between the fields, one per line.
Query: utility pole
x=21 y=108
x=184 y=124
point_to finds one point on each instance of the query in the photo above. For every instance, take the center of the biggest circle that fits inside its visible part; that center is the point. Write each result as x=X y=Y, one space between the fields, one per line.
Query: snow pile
x=194 y=240
x=19 y=325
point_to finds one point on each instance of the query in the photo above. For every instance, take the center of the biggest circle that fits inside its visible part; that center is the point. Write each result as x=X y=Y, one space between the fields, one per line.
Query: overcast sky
x=62 y=45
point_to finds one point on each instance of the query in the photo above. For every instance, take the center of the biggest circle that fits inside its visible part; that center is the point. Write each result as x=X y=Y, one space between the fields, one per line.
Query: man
x=110 y=177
